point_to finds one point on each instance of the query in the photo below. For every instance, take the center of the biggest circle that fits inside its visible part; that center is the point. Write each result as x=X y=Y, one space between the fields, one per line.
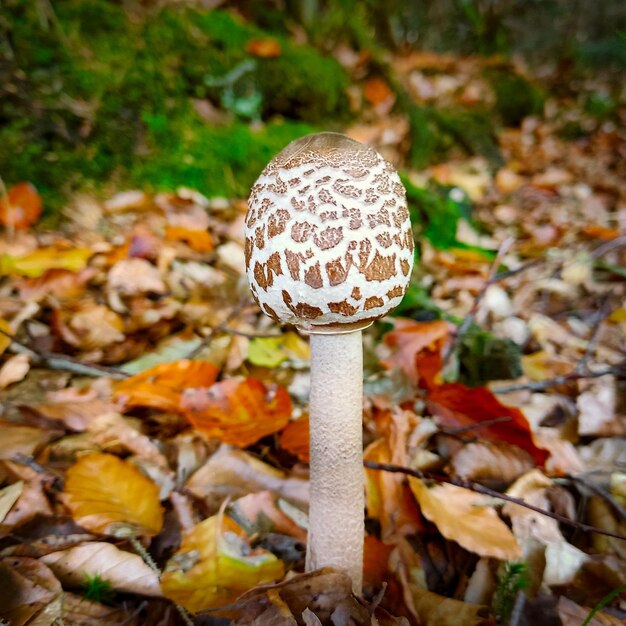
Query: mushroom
x=329 y=249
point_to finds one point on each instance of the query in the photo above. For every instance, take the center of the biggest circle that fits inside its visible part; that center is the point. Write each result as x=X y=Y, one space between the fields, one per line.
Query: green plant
x=513 y=579
x=96 y=588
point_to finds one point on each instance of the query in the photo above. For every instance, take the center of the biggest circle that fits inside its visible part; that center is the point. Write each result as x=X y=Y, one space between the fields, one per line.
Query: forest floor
x=154 y=447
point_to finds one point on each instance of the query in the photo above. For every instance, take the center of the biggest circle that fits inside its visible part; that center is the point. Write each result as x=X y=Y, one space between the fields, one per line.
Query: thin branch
x=486 y=491
x=471 y=427
x=599 y=317
x=62 y=362
x=607 y=247
x=542 y=385
x=599 y=491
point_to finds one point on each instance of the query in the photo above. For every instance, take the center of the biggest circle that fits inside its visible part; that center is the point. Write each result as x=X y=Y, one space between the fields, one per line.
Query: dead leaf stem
x=478 y=488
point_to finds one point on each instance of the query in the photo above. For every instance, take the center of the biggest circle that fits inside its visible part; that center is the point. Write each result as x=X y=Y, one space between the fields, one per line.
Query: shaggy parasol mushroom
x=329 y=249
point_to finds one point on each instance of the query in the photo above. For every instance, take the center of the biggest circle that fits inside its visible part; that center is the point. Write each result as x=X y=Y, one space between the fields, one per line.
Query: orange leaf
x=388 y=498
x=161 y=386
x=295 y=438
x=375 y=561
x=198 y=240
x=264 y=48
x=457 y=405
x=21 y=208
x=236 y=411
x=416 y=348
x=103 y=493
x=377 y=91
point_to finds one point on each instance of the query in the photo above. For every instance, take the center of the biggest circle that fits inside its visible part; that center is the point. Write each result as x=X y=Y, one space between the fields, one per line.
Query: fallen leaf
x=134 y=277
x=215 y=564
x=90 y=327
x=5 y=335
x=598 y=410
x=234 y=473
x=21 y=207
x=62 y=284
x=9 y=496
x=410 y=342
x=295 y=438
x=573 y=614
x=104 y=493
x=26 y=440
x=33 y=500
x=161 y=386
x=27 y=587
x=264 y=48
x=436 y=610
x=198 y=240
x=490 y=462
x=235 y=411
x=388 y=498
x=14 y=370
x=457 y=405
x=124 y=571
x=377 y=91
x=259 y=512
x=462 y=516
x=79 y=611
x=42 y=260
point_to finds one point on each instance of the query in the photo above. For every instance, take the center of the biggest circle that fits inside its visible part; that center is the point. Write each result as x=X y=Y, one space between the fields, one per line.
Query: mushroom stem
x=336 y=519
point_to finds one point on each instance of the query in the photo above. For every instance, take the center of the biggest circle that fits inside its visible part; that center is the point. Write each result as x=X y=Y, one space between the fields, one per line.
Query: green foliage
x=483 y=357
x=97 y=589
x=516 y=96
x=513 y=579
x=93 y=94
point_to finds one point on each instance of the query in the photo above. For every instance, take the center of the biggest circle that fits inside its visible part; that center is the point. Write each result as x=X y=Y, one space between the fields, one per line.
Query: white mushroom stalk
x=329 y=249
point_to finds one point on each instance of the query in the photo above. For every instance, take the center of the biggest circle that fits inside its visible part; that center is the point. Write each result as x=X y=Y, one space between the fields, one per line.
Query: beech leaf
x=461 y=516
x=236 y=411
x=105 y=493
x=215 y=564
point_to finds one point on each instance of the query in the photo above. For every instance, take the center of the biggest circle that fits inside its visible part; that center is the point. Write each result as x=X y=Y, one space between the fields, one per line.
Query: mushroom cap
x=329 y=245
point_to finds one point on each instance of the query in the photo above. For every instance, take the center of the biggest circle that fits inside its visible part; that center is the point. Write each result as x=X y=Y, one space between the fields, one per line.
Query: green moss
x=516 y=96
x=91 y=93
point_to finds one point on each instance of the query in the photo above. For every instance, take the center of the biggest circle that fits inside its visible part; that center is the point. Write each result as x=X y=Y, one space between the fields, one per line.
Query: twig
x=600 y=316
x=149 y=561
x=542 y=385
x=478 y=488
x=64 y=363
x=601 y=492
x=607 y=247
x=484 y=424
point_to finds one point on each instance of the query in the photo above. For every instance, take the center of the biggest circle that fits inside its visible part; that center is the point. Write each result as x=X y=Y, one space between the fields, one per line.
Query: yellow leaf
x=215 y=565
x=436 y=610
x=105 y=493
x=40 y=261
x=5 y=342
x=460 y=516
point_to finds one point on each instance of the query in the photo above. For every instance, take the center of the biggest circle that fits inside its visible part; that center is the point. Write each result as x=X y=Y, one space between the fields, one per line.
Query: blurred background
x=101 y=95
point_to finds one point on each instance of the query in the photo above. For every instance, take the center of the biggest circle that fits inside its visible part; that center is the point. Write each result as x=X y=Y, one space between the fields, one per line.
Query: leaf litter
x=179 y=429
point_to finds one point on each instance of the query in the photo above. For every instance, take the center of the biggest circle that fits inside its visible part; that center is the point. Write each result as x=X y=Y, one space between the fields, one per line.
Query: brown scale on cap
x=328 y=235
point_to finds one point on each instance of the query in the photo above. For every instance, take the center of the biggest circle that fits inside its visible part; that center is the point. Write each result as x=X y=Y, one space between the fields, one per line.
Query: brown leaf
x=234 y=473
x=14 y=370
x=490 y=462
x=79 y=611
x=17 y=439
x=27 y=587
x=126 y=572
x=436 y=610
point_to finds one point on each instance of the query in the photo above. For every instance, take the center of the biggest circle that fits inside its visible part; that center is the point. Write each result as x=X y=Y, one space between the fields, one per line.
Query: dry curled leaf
x=104 y=494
